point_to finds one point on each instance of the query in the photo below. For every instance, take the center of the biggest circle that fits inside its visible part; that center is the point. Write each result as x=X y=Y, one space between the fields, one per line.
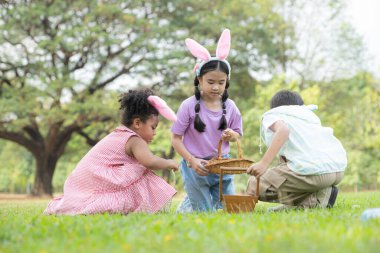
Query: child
x=313 y=160
x=115 y=175
x=203 y=120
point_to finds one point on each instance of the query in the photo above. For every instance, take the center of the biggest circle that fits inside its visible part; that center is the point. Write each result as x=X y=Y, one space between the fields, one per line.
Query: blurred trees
x=351 y=106
x=57 y=57
x=63 y=64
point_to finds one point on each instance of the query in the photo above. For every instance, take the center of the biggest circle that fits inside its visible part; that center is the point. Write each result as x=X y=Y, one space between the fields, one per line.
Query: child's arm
x=195 y=163
x=230 y=135
x=280 y=136
x=139 y=149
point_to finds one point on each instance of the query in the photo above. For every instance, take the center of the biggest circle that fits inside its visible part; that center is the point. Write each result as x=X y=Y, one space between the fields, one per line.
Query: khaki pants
x=280 y=184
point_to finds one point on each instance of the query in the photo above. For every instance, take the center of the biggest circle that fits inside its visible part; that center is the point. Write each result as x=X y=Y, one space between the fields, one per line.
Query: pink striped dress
x=108 y=180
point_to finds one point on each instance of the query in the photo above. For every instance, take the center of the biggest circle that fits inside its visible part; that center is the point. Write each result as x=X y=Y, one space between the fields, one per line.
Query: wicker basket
x=237 y=203
x=215 y=163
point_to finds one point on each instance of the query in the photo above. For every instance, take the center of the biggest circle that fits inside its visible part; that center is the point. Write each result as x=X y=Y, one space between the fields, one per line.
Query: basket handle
x=233 y=170
x=240 y=153
x=174 y=179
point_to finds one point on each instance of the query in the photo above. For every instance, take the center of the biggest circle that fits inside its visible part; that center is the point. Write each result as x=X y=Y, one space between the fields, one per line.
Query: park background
x=63 y=65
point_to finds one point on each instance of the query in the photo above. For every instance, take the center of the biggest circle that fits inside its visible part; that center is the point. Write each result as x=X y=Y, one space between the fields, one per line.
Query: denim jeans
x=202 y=191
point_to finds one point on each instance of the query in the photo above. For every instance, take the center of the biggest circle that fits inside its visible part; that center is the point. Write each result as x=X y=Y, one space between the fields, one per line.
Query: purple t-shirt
x=205 y=144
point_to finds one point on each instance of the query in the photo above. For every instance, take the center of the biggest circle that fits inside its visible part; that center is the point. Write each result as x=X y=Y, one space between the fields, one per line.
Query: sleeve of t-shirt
x=268 y=121
x=183 y=120
x=236 y=120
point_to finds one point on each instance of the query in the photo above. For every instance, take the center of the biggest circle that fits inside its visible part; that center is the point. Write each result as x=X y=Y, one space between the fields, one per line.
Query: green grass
x=23 y=228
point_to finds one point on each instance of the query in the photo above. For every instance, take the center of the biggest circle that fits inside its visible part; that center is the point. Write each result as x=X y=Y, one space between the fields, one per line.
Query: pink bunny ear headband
x=162 y=108
x=200 y=52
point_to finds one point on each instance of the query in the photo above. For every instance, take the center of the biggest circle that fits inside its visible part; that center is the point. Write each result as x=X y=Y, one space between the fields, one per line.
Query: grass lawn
x=23 y=228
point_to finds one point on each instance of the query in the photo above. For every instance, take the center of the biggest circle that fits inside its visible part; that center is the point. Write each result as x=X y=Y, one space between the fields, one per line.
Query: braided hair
x=134 y=104
x=286 y=97
x=207 y=67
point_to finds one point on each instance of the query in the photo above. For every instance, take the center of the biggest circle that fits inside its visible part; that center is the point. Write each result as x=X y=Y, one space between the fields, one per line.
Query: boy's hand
x=257 y=169
x=229 y=135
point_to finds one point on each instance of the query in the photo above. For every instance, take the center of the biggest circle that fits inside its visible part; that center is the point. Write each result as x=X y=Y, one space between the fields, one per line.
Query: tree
x=57 y=59
x=261 y=37
x=352 y=106
x=327 y=46
x=60 y=59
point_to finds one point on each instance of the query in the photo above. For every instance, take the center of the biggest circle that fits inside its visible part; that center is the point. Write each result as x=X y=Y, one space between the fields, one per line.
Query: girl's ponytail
x=198 y=123
x=223 y=121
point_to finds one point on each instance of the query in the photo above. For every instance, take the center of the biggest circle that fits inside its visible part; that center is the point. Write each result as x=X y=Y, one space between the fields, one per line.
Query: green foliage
x=16 y=170
x=25 y=229
x=354 y=116
x=349 y=106
x=61 y=61
x=59 y=58
x=253 y=108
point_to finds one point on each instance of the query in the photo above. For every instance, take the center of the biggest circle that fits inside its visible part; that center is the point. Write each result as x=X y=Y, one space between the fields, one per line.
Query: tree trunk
x=45 y=166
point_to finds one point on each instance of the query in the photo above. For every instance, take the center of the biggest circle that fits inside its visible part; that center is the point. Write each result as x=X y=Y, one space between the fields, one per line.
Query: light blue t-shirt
x=311 y=149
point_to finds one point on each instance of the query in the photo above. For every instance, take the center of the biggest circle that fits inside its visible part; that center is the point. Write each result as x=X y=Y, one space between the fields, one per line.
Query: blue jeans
x=202 y=191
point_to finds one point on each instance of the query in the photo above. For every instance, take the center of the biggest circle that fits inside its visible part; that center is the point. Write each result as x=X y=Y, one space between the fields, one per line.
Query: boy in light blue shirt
x=313 y=159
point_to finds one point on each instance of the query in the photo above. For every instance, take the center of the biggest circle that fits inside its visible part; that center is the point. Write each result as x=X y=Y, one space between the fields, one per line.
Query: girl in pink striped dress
x=116 y=175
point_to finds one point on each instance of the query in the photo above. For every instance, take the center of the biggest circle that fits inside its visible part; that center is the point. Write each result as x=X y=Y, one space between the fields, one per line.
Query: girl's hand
x=173 y=165
x=229 y=135
x=197 y=165
x=257 y=169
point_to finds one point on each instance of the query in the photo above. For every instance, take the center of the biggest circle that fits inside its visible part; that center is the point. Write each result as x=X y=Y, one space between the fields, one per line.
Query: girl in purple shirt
x=202 y=120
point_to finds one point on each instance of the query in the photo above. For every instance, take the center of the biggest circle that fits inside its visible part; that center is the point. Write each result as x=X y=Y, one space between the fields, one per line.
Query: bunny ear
x=224 y=44
x=197 y=50
x=162 y=108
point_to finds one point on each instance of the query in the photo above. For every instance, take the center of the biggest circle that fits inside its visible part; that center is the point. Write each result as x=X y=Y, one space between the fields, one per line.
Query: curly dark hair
x=286 y=97
x=134 y=104
x=207 y=67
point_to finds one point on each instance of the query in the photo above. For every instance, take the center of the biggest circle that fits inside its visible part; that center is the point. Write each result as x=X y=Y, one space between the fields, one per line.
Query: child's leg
x=267 y=192
x=321 y=197
x=306 y=191
x=316 y=199
x=197 y=189
x=269 y=185
x=280 y=184
x=228 y=188
x=227 y=183
x=185 y=206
